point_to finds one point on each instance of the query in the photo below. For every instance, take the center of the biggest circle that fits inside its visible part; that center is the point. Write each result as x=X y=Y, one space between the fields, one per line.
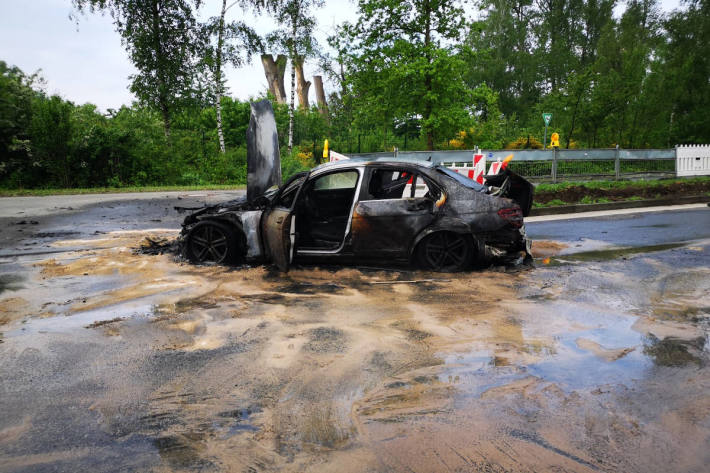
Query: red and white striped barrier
x=334 y=157
x=475 y=171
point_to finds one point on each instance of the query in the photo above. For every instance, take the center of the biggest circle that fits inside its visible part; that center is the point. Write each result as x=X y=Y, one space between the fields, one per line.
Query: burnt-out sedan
x=358 y=210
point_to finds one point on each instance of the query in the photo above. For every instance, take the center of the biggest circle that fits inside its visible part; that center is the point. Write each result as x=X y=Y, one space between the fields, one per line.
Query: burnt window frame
x=365 y=195
x=286 y=185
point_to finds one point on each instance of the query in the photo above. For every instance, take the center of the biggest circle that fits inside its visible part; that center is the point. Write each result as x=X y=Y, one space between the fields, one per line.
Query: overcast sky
x=85 y=61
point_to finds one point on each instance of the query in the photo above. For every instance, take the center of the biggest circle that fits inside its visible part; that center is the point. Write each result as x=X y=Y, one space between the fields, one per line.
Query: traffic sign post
x=546 y=117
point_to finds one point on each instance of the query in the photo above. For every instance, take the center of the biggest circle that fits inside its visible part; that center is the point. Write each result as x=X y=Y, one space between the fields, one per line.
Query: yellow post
x=326 y=153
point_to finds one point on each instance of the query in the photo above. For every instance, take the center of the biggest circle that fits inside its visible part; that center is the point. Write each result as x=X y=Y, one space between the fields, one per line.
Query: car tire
x=210 y=241
x=445 y=252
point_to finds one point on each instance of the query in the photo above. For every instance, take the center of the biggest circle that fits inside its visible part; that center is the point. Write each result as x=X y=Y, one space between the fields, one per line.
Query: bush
x=529 y=142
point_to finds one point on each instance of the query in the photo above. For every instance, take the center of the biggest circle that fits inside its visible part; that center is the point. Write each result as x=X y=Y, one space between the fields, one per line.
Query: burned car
x=383 y=210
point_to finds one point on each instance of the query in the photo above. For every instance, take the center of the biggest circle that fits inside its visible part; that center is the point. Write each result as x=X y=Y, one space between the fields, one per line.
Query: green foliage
x=413 y=74
x=48 y=142
x=163 y=41
x=408 y=42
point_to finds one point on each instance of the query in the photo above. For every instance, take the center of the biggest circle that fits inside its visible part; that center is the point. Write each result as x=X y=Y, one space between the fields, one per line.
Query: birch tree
x=296 y=37
x=163 y=40
x=234 y=43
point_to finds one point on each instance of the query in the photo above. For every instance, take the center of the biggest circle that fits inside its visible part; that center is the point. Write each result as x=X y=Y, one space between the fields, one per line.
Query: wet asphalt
x=28 y=222
x=633 y=230
x=596 y=360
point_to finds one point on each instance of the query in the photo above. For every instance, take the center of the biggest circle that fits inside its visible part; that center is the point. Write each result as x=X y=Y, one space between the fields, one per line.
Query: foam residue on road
x=166 y=366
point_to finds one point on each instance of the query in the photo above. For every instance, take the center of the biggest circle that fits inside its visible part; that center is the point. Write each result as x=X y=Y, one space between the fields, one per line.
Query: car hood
x=263 y=158
x=239 y=204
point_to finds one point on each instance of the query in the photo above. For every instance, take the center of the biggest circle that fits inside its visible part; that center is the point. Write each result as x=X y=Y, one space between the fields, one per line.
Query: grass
x=649 y=188
x=552 y=203
x=618 y=184
x=111 y=190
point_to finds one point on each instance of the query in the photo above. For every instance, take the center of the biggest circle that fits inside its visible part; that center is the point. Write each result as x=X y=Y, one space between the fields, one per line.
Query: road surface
x=113 y=361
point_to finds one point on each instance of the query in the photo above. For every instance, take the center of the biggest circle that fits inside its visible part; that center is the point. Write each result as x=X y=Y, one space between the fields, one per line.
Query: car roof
x=366 y=161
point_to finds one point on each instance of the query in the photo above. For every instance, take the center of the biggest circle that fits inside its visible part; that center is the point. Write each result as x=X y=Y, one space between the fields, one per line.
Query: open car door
x=278 y=227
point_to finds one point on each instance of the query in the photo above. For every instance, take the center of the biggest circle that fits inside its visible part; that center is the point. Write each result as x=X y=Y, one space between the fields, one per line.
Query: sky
x=84 y=60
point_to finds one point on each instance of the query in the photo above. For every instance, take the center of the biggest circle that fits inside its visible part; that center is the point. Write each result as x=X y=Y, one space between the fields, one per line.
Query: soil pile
x=574 y=194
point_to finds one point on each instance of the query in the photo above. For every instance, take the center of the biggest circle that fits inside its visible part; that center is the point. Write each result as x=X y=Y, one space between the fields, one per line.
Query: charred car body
x=386 y=210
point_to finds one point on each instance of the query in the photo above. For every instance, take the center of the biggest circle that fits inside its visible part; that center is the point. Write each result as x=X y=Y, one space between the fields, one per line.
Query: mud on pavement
x=117 y=361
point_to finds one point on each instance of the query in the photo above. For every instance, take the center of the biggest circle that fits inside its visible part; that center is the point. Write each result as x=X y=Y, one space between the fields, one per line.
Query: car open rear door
x=278 y=226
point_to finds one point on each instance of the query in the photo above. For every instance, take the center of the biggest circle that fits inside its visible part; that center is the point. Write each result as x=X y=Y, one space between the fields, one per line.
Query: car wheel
x=445 y=251
x=212 y=242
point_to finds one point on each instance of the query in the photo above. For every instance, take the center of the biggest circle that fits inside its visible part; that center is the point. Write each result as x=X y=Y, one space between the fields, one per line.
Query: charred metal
x=383 y=210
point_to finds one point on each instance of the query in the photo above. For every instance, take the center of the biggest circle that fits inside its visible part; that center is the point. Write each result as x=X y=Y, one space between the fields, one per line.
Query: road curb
x=579 y=208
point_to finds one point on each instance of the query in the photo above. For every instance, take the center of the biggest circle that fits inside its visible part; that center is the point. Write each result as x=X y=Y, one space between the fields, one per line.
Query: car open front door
x=279 y=230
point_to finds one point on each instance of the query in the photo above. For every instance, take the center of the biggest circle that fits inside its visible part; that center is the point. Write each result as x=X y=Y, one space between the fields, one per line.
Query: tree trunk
x=320 y=96
x=157 y=45
x=165 y=112
x=427 y=78
x=274 y=72
x=293 y=87
x=218 y=78
x=303 y=86
x=580 y=91
x=281 y=61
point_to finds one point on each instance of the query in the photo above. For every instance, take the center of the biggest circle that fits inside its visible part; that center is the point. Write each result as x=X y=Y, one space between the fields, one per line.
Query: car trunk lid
x=513 y=187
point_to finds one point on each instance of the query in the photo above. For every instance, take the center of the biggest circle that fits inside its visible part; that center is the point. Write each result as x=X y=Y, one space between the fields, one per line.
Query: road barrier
x=575 y=164
x=693 y=160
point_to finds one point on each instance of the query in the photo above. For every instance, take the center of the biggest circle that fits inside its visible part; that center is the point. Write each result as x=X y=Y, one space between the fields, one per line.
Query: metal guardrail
x=560 y=164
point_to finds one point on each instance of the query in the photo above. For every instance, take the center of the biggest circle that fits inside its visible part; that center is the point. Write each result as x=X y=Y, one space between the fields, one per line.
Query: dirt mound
x=576 y=193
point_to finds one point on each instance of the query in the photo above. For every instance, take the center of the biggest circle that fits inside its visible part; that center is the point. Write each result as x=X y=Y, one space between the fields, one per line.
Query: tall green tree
x=163 y=41
x=504 y=56
x=406 y=58
x=685 y=71
x=16 y=96
x=625 y=52
x=50 y=136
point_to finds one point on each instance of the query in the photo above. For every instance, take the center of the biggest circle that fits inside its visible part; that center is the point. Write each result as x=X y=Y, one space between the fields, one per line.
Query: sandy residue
x=14 y=432
x=13 y=308
x=321 y=370
x=607 y=354
x=318 y=364
x=681 y=296
x=543 y=248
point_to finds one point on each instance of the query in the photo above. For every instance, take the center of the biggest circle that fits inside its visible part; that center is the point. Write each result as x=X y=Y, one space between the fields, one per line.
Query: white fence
x=693 y=160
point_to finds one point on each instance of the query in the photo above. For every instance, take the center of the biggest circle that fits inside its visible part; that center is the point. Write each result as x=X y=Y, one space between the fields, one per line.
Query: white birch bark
x=218 y=78
x=293 y=85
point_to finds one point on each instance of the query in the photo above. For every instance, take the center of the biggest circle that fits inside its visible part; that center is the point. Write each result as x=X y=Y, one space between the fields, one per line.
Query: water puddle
x=611 y=253
x=88 y=319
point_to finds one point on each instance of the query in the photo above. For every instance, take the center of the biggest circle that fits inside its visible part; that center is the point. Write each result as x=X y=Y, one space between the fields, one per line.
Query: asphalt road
x=632 y=228
x=597 y=359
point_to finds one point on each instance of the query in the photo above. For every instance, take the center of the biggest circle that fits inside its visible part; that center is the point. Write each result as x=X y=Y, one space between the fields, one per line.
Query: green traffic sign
x=547 y=117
